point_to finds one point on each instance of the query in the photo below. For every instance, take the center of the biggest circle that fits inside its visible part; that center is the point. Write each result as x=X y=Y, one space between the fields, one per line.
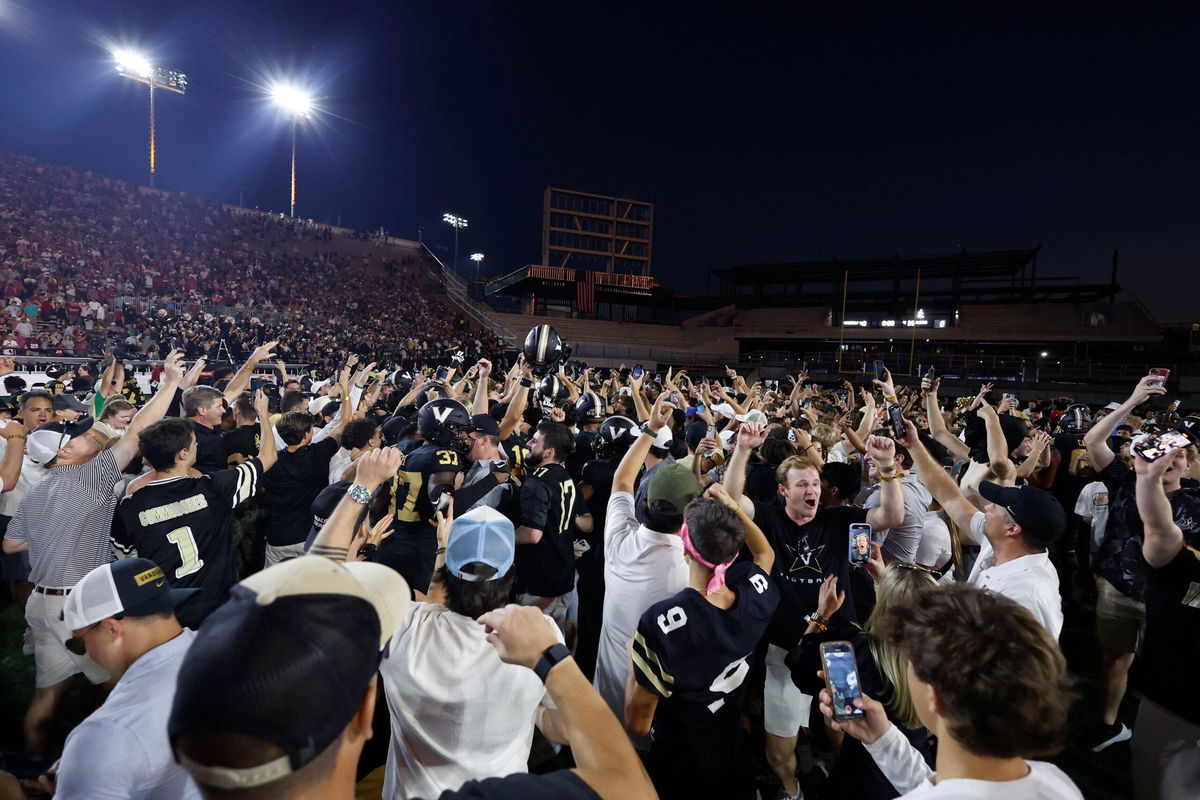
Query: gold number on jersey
x=408 y=511
x=189 y=554
x=567 y=500
x=447 y=458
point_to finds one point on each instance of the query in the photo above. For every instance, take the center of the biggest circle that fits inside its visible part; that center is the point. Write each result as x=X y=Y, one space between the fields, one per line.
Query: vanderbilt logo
x=142 y=578
x=1192 y=596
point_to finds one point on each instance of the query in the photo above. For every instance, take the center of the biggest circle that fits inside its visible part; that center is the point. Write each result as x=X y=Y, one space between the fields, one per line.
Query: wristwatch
x=550 y=659
x=359 y=493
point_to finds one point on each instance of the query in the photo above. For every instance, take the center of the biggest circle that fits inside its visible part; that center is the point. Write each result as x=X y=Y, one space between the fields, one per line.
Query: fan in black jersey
x=550 y=511
x=691 y=655
x=425 y=475
x=185 y=525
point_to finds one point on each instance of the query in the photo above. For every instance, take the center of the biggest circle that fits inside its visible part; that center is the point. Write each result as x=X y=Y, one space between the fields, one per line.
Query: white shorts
x=54 y=662
x=785 y=708
x=554 y=607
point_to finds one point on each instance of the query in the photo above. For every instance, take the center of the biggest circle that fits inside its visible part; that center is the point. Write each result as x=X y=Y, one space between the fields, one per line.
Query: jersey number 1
x=189 y=554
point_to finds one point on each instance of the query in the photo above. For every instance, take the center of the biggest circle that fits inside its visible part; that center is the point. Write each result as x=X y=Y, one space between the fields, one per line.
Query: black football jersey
x=696 y=658
x=185 y=526
x=410 y=488
x=549 y=502
x=517 y=452
x=243 y=441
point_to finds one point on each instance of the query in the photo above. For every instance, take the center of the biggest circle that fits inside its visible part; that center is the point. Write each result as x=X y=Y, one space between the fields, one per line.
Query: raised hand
x=520 y=634
x=882 y=449
x=661 y=413
x=751 y=435
x=378 y=466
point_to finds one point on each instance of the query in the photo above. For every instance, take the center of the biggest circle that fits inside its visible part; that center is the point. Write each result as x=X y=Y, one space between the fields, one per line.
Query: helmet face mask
x=445 y=423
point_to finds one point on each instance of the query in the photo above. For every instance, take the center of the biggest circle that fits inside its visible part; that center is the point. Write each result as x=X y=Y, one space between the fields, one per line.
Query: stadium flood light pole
x=456 y=222
x=136 y=66
x=298 y=106
x=478 y=259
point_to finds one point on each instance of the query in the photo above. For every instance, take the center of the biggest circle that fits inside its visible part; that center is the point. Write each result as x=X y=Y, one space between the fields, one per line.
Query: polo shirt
x=210 y=449
x=66 y=520
x=121 y=751
x=1030 y=580
x=641 y=568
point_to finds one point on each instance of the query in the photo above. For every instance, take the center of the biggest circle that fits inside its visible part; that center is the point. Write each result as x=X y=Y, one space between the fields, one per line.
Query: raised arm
x=374 y=468
x=172 y=373
x=604 y=757
x=480 y=403
x=1163 y=538
x=639 y=400
x=937 y=423
x=635 y=456
x=997 y=446
x=890 y=511
x=750 y=437
x=939 y=483
x=241 y=380
x=516 y=406
x=756 y=541
x=267 y=454
x=1096 y=439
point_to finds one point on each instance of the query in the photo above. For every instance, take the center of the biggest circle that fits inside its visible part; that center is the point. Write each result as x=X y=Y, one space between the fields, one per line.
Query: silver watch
x=359 y=493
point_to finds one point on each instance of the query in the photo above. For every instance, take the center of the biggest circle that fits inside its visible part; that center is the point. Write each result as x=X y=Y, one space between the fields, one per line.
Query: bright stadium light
x=298 y=105
x=478 y=259
x=136 y=66
x=456 y=222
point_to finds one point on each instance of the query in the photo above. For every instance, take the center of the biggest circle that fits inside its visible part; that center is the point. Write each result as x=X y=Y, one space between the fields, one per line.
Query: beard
x=532 y=460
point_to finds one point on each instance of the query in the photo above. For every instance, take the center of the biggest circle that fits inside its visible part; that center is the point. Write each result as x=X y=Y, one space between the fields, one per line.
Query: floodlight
x=456 y=222
x=294 y=101
x=136 y=66
x=133 y=62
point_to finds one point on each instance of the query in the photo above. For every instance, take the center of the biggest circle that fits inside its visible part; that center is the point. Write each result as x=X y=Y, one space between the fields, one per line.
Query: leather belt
x=52 y=592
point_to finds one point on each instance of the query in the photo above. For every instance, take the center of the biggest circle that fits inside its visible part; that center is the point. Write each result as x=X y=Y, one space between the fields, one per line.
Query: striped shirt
x=66 y=520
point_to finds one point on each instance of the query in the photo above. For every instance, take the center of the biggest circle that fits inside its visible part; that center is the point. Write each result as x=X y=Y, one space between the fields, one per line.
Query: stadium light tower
x=478 y=259
x=135 y=66
x=456 y=222
x=297 y=104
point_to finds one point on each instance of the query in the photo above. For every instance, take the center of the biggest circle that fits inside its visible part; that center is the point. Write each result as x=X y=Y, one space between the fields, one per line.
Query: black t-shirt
x=761 y=484
x=599 y=473
x=1119 y=555
x=583 y=452
x=696 y=658
x=242 y=440
x=210 y=449
x=1165 y=670
x=561 y=785
x=804 y=556
x=294 y=482
x=185 y=526
x=411 y=505
x=549 y=504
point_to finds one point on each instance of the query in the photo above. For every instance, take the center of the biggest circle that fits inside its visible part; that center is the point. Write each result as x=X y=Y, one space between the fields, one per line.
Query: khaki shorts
x=54 y=662
x=785 y=708
x=1120 y=620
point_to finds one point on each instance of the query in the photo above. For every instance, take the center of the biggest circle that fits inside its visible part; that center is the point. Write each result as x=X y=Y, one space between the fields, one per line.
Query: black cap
x=1040 y=516
x=485 y=424
x=68 y=402
x=323 y=506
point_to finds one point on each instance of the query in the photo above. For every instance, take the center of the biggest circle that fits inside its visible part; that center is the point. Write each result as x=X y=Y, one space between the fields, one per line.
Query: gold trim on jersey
x=647 y=663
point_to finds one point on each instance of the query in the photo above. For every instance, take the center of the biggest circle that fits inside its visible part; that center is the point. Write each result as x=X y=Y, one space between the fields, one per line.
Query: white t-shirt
x=337 y=465
x=903 y=766
x=641 y=567
x=935 y=549
x=840 y=452
x=459 y=713
x=1030 y=580
x=1093 y=502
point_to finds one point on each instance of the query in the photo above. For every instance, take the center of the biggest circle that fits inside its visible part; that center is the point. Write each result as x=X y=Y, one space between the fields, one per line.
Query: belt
x=52 y=592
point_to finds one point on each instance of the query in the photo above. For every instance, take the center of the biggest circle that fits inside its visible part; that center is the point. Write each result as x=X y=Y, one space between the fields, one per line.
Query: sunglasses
x=76 y=644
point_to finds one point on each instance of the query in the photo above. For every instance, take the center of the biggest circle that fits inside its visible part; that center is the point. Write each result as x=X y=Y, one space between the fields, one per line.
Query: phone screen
x=841 y=678
x=860 y=543
x=896 y=418
x=879 y=368
x=255 y=382
x=702 y=408
x=442 y=372
x=1160 y=373
x=637 y=372
x=1158 y=446
x=932 y=374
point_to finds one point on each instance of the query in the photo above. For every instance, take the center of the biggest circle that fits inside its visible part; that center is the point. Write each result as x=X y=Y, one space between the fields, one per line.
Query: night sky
x=761 y=131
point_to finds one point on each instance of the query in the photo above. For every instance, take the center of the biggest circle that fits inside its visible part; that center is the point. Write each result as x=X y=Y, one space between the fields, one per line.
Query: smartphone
x=658 y=377
x=841 y=679
x=441 y=374
x=932 y=374
x=1160 y=373
x=860 y=543
x=638 y=372
x=702 y=408
x=879 y=370
x=1153 y=448
x=255 y=383
x=1010 y=396
x=896 y=420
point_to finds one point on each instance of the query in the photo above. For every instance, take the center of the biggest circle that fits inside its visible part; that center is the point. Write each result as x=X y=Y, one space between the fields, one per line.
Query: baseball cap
x=1040 y=516
x=662 y=439
x=133 y=587
x=752 y=416
x=485 y=424
x=287 y=660
x=482 y=535
x=325 y=504
x=68 y=402
x=674 y=483
x=44 y=443
x=725 y=410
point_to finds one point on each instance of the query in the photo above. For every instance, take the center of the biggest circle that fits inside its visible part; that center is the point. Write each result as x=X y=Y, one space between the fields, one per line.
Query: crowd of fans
x=393 y=582
x=89 y=263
